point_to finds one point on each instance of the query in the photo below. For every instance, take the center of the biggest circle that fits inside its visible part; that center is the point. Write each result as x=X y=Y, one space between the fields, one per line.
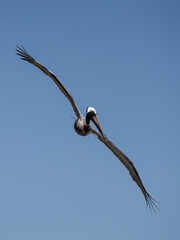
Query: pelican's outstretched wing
x=25 y=56
x=130 y=166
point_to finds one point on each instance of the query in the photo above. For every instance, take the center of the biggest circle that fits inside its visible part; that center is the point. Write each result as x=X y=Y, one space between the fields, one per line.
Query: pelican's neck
x=87 y=119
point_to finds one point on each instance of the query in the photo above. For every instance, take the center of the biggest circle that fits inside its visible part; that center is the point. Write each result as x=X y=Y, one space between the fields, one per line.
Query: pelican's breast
x=81 y=127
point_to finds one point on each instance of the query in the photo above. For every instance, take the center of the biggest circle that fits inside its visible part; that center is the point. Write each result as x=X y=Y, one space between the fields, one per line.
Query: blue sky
x=121 y=57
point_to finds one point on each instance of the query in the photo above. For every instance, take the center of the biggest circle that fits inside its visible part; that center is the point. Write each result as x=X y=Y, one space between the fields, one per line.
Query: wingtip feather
x=21 y=51
x=152 y=203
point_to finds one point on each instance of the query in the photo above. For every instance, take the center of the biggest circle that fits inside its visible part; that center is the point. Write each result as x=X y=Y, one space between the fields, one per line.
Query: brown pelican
x=83 y=127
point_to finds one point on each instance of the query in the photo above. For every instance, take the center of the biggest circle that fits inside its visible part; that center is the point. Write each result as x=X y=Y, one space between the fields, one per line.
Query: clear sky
x=122 y=58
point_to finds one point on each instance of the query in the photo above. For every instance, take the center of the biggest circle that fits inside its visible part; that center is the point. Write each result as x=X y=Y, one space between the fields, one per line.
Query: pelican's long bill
x=91 y=115
x=95 y=120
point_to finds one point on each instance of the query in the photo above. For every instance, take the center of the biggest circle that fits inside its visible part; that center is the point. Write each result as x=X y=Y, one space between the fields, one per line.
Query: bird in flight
x=83 y=126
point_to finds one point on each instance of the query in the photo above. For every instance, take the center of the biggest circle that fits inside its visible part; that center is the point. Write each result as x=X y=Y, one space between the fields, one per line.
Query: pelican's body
x=83 y=127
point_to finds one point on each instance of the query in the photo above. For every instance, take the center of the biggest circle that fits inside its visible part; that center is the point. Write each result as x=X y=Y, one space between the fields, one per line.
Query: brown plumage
x=83 y=127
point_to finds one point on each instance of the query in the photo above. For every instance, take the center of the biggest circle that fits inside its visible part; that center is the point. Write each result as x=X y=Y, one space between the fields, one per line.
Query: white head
x=91 y=115
x=91 y=109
